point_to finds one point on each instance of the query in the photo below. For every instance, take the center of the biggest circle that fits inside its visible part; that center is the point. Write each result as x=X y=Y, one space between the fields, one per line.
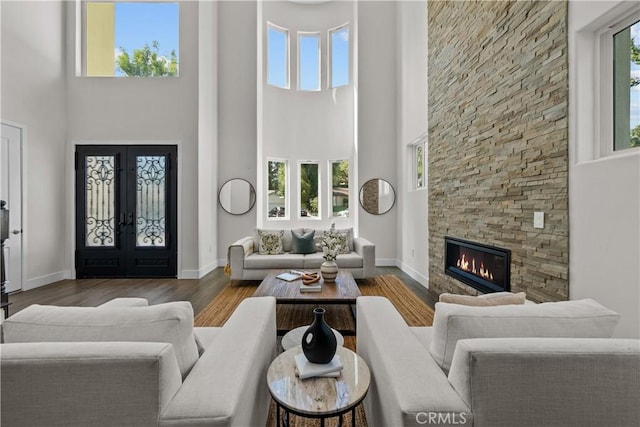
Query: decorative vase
x=329 y=271
x=318 y=342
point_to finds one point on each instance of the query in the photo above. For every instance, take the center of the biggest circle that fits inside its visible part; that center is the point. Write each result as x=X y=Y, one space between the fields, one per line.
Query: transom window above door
x=129 y=39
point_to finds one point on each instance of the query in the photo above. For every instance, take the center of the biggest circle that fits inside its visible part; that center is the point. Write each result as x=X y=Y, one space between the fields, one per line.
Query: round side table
x=317 y=397
x=294 y=337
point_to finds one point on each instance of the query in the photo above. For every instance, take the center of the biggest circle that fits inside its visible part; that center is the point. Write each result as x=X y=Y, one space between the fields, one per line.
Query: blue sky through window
x=277 y=57
x=309 y=62
x=137 y=24
x=340 y=57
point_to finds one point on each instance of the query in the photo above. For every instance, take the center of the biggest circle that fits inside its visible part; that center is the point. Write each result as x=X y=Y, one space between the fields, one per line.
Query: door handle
x=121 y=222
x=130 y=218
x=16 y=231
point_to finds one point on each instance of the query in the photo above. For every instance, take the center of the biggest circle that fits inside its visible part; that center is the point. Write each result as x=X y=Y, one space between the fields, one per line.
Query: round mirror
x=377 y=196
x=237 y=196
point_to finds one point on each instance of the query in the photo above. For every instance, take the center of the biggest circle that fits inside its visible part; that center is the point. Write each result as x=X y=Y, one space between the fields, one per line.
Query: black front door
x=126 y=211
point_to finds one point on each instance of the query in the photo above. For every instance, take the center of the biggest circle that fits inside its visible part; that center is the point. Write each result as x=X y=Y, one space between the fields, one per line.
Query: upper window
x=339 y=56
x=626 y=87
x=131 y=39
x=309 y=61
x=277 y=56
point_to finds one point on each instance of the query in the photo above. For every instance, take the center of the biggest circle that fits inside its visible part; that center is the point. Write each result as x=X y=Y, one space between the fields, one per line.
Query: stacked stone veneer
x=498 y=151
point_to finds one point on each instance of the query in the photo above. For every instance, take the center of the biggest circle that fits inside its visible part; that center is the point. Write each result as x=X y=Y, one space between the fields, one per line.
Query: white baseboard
x=385 y=262
x=198 y=274
x=222 y=262
x=47 y=279
x=417 y=276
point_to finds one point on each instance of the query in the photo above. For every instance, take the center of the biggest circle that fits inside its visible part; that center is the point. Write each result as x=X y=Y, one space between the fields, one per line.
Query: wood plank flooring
x=93 y=292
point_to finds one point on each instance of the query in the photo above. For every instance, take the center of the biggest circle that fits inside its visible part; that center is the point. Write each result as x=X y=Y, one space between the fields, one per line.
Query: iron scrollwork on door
x=151 y=203
x=100 y=196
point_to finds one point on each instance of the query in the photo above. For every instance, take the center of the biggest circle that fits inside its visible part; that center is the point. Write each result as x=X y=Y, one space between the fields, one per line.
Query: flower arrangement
x=332 y=242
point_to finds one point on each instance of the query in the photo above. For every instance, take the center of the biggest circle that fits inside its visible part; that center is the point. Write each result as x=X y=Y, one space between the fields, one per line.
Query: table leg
x=277 y=414
x=353 y=417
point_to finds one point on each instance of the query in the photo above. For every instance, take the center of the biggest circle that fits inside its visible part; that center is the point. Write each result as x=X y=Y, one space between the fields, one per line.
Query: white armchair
x=91 y=377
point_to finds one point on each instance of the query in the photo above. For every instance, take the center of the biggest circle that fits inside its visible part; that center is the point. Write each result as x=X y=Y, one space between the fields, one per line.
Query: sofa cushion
x=270 y=242
x=286 y=260
x=169 y=323
x=574 y=319
x=496 y=298
x=302 y=243
x=350 y=260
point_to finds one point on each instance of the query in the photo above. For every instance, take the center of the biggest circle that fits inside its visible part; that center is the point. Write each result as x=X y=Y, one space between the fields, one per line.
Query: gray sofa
x=125 y=364
x=247 y=263
x=551 y=364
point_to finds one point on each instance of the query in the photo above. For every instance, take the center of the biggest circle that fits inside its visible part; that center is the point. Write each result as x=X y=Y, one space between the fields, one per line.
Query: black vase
x=318 y=342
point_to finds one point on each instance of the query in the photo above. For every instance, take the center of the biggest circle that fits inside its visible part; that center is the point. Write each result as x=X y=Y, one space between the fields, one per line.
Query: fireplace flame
x=464 y=264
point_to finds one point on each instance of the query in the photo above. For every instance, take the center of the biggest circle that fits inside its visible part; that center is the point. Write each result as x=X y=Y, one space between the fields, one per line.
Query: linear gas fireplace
x=483 y=267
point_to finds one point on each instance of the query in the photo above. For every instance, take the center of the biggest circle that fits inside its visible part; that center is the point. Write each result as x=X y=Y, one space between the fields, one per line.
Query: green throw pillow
x=302 y=243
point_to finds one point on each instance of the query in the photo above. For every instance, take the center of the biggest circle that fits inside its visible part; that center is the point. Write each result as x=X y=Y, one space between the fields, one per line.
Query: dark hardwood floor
x=93 y=292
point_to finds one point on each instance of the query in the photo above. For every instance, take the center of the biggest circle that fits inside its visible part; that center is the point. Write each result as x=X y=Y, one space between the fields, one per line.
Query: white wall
x=33 y=95
x=237 y=122
x=377 y=134
x=604 y=194
x=413 y=244
x=113 y=110
x=207 y=136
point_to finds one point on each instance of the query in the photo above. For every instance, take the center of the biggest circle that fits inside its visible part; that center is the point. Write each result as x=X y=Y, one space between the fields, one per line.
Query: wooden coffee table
x=343 y=291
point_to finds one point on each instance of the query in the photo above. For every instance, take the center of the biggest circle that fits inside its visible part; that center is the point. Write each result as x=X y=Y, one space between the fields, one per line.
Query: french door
x=126 y=211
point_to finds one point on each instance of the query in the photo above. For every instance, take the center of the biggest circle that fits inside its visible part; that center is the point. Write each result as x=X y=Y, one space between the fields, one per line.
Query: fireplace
x=483 y=267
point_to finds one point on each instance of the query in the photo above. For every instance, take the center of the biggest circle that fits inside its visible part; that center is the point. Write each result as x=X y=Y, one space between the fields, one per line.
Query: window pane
x=150 y=201
x=626 y=91
x=340 y=188
x=339 y=57
x=309 y=190
x=419 y=162
x=101 y=195
x=277 y=57
x=132 y=39
x=309 y=62
x=277 y=190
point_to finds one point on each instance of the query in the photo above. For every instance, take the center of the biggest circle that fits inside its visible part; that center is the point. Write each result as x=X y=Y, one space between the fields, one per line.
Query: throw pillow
x=346 y=246
x=270 y=242
x=302 y=242
x=497 y=298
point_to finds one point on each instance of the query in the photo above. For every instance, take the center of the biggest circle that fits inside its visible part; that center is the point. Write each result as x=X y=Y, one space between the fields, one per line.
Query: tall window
x=340 y=188
x=277 y=189
x=418 y=151
x=277 y=56
x=131 y=39
x=309 y=202
x=626 y=87
x=309 y=61
x=339 y=56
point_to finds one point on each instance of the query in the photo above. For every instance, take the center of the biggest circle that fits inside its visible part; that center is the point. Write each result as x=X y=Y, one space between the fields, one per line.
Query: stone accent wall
x=498 y=150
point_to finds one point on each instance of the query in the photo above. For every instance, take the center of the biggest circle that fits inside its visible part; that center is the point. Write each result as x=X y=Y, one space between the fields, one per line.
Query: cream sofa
x=126 y=364
x=247 y=263
x=551 y=364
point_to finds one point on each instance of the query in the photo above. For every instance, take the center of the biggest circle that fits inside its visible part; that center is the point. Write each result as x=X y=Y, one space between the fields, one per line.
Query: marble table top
x=319 y=396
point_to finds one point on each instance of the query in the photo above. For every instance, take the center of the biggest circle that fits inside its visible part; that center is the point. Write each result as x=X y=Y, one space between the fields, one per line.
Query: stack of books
x=314 y=287
x=306 y=369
